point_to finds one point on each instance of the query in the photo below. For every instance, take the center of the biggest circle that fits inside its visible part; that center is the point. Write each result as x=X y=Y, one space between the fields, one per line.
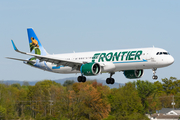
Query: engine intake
x=133 y=74
x=90 y=69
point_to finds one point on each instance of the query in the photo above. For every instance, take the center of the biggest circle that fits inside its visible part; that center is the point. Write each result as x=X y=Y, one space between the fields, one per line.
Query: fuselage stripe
x=130 y=61
x=54 y=67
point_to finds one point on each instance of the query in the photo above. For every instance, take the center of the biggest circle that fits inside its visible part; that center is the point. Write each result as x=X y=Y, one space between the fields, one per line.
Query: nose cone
x=170 y=60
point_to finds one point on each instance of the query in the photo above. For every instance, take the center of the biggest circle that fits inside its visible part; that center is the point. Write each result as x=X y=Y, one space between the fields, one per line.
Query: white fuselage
x=112 y=60
x=130 y=61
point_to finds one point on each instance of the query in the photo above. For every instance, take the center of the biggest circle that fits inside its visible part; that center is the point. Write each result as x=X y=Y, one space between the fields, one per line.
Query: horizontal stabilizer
x=20 y=59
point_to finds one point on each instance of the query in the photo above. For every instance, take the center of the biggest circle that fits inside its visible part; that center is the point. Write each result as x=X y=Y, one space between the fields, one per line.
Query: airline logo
x=117 y=56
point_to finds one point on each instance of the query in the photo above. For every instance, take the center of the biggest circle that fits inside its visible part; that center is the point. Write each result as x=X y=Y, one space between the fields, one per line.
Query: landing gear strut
x=81 y=79
x=155 y=77
x=110 y=80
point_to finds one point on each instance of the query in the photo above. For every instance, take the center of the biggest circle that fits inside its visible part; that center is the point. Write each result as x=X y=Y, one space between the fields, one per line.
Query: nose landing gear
x=155 y=77
x=110 y=80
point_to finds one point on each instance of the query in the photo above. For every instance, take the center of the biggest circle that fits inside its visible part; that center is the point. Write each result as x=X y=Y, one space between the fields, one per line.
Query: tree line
x=87 y=101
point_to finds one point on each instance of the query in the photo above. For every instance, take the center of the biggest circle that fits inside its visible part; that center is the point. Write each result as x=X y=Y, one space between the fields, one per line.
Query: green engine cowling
x=133 y=74
x=90 y=69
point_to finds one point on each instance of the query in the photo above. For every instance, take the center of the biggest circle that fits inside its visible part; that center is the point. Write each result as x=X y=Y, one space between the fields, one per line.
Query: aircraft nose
x=170 y=60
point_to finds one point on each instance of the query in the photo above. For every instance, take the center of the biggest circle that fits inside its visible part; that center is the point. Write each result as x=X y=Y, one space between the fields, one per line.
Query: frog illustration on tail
x=34 y=46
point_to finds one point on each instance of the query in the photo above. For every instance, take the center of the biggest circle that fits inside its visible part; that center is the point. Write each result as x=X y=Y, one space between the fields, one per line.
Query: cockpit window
x=165 y=53
x=162 y=53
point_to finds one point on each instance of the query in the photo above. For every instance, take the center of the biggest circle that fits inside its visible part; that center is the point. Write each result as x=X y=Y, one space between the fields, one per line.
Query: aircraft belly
x=127 y=66
x=60 y=69
x=134 y=66
x=65 y=70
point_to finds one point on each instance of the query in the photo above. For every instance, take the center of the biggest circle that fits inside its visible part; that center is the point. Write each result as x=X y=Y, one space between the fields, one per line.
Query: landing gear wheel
x=110 y=80
x=81 y=79
x=155 y=77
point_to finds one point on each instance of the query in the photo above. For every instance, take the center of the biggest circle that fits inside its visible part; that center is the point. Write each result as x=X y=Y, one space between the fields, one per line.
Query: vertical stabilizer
x=34 y=43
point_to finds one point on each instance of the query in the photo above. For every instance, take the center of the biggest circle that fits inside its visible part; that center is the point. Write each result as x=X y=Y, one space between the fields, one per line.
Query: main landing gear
x=155 y=77
x=110 y=80
x=81 y=79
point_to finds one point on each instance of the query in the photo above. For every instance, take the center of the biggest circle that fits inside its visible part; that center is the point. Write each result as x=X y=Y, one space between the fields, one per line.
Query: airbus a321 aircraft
x=131 y=62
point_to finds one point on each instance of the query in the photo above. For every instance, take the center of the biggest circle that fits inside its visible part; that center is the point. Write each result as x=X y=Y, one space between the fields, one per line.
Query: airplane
x=131 y=62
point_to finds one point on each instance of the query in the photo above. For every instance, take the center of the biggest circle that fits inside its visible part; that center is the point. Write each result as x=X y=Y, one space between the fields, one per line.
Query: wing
x=50 y=58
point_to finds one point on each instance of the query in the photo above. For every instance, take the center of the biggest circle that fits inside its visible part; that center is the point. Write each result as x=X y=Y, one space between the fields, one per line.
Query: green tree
x=83 y=102
x=145 y=89
x=25 y=83
x=169 y=85
x=154 y=103
x=165 y=100
x=125 y=102
x=40 y=97
x=9 y=101
x=2 y=112
x=177 y=100
x=68 y=82
x=17 y=85
x=21 y=106
x=159 y=87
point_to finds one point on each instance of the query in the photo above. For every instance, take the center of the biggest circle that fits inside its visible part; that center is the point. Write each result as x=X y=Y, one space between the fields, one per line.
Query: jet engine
x=133 y=74
x=90 y=69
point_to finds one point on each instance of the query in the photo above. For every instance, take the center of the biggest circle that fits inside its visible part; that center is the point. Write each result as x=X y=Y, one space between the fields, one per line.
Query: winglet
x=14 y=46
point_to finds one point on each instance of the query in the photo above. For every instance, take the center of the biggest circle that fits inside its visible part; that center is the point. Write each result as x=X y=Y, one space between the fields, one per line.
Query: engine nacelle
x=90 y=69
x=133 y=74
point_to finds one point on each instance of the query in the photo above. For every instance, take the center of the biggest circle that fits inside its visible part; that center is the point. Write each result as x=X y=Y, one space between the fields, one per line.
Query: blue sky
x=65 y=26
